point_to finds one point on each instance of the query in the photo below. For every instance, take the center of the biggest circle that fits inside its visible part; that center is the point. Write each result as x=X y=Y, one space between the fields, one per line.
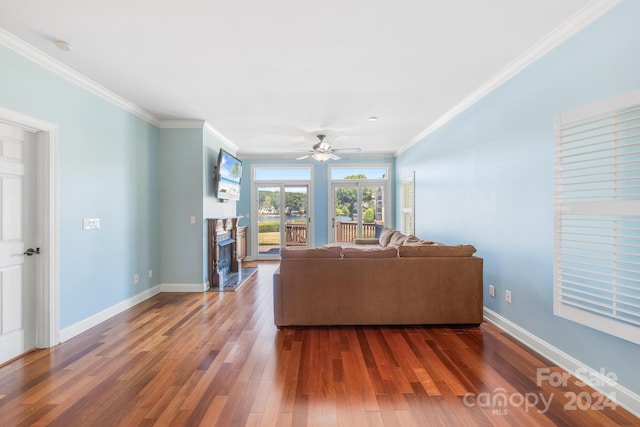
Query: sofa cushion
x=436 y=251
x=376 y=252
x=397 y=239
x=324 y=252
x=385 y=236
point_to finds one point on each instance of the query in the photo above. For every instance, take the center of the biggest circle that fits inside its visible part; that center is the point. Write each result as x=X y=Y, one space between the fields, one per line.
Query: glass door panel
x=296 y=215
x=358 y=211
x=345 y=215
x=372 y=202
x=269 y=223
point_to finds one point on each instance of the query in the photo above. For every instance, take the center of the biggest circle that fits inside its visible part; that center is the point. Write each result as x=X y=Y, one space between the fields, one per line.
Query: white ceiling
x=269 y=75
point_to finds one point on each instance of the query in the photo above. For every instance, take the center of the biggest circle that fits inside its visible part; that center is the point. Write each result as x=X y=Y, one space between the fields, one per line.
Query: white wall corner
x=184 y=287
x=88 y=323
x=618 y=393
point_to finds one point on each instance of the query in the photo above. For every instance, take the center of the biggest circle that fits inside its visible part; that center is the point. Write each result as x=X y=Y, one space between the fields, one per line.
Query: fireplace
x=222 y=249
x=225 y=255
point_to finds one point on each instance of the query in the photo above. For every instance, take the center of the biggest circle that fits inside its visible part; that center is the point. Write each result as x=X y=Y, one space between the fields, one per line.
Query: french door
x=357 y=210
x=282 y=218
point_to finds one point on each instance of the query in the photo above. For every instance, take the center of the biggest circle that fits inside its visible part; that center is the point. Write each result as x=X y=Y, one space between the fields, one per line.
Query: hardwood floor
x=216 y=359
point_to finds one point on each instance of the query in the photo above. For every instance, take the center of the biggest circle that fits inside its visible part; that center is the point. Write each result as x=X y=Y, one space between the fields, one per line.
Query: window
x=279 y=173
x=597 y=216
x=359 y=172
x=408 y=206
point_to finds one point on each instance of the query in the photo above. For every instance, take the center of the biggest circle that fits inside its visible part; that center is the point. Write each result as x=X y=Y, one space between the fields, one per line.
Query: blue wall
x=188 y=190
x=108 y=169
x=486 y=178
x=180 y=199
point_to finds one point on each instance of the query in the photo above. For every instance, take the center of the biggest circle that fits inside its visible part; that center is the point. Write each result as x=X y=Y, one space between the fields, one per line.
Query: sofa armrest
x=368 y=241
x=277 y=298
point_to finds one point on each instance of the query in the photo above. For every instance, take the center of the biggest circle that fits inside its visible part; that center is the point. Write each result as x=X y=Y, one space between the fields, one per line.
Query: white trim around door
x=47 y=225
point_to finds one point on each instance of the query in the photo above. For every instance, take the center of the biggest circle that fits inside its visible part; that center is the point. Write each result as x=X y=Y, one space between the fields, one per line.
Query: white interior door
x=17 y=235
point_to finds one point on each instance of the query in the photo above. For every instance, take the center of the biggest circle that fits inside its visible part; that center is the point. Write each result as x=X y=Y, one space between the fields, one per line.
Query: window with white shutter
x=408 y=208
x=597 y=216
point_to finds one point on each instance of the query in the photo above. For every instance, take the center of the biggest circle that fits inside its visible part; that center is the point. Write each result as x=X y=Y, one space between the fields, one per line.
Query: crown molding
x=213 y=131
x=198 y=124
x=49 y=63
x=181 y=124
x=588 y=14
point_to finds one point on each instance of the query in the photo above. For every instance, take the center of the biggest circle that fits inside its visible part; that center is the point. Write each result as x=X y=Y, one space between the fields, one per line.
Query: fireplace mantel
x=221 y=228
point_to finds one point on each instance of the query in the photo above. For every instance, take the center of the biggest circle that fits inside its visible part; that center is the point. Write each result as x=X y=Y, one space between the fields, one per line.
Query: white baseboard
x=594 y=378
x=106 y=314
x=184 y=287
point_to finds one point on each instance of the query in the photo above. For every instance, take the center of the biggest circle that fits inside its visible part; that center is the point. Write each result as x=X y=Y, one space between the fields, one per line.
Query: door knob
x=31 y=252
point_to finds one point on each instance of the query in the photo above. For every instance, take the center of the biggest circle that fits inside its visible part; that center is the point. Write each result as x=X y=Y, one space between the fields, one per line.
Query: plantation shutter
x=408 y=208
x=597 y=216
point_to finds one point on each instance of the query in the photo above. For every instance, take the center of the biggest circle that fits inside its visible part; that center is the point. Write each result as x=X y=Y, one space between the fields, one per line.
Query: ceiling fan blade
x=334 y=157
x=303 y=157
x=297 y=150
x=347 y=150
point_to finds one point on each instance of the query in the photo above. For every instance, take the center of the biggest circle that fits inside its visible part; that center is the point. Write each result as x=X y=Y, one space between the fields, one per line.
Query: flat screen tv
x=228 y=174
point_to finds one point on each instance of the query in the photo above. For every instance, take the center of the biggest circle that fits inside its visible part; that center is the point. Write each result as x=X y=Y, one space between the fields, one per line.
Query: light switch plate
x=91 y=223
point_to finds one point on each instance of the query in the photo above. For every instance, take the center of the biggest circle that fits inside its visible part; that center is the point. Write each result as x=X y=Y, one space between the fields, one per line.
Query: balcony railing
x=347 y=231
x=295 y=234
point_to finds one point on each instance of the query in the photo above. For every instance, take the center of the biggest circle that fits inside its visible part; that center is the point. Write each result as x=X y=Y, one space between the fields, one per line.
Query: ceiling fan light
x=321 y=157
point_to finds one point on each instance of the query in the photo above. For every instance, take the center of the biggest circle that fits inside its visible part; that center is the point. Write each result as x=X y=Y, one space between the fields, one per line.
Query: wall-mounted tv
x=228 y=174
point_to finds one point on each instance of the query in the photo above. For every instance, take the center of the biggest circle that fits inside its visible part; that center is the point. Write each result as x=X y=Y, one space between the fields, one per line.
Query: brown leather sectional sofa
x=424 y=283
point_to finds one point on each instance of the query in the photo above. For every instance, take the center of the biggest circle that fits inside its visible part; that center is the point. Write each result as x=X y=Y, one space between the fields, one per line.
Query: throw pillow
x=385 y=236
x=436 y=251
x=331 y=252
x=397 y=239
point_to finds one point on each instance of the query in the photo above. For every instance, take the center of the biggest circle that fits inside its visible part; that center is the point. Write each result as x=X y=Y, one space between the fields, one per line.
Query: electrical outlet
x=492 y=291
x=193 y=220
x=136 y=278
x=150 y=273
x=507 y=296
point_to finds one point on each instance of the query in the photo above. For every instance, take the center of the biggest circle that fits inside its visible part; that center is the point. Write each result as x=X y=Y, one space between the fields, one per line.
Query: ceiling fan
x=323 y=151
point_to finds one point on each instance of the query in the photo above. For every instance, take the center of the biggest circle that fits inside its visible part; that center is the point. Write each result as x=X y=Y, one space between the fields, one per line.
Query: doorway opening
x=282 y=210
x=358 y=206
